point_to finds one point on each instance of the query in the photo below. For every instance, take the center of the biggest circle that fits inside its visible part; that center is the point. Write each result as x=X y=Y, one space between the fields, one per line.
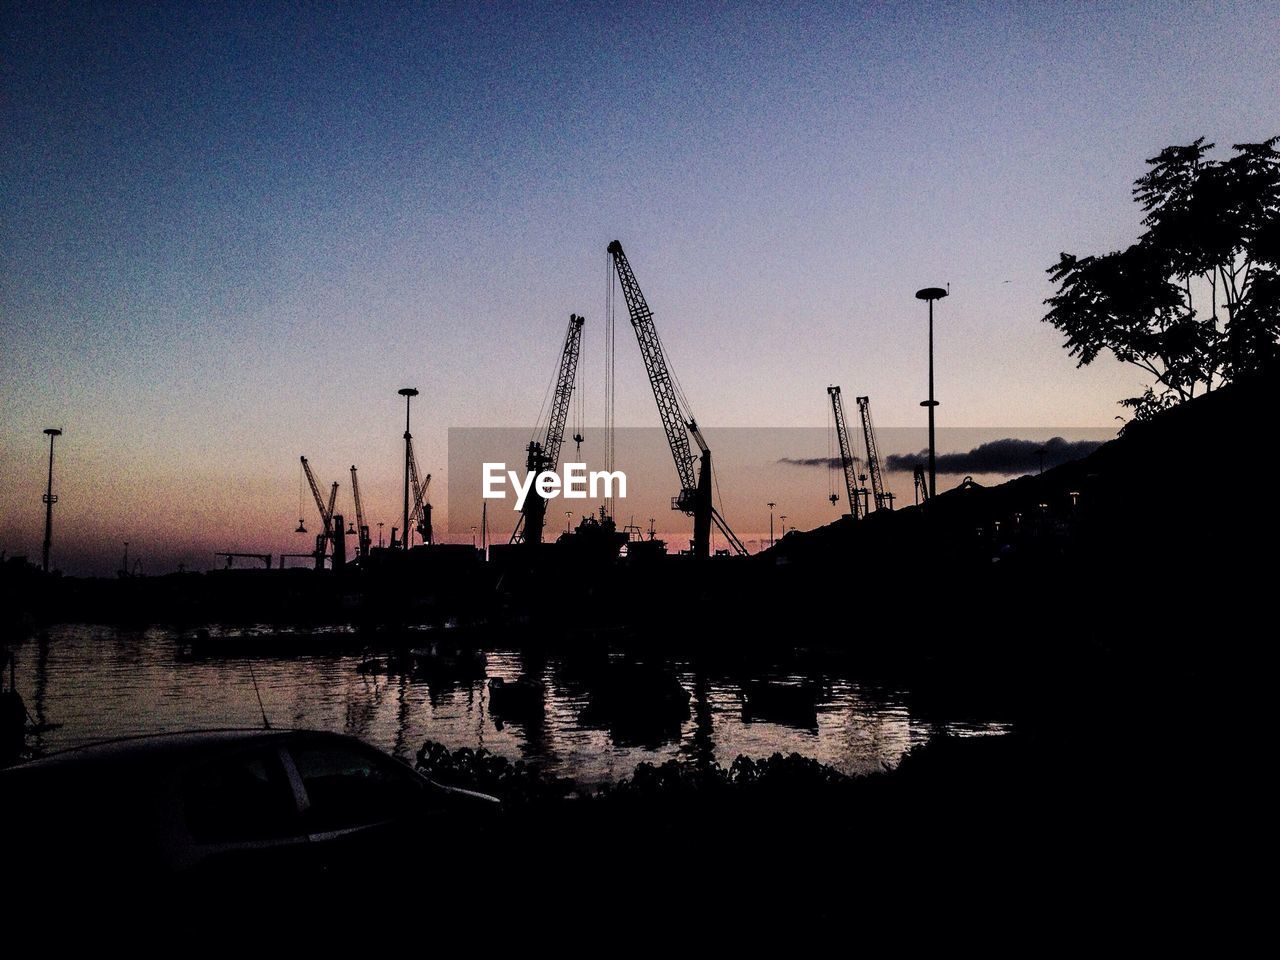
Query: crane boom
x=546 y=455
x=362 y=528
x=677 y=420
x=325 y=513
x=564 y=391
x=674 y=421
x=883 y=498
x=846 y=452
x=921 y=485
x=333 y=499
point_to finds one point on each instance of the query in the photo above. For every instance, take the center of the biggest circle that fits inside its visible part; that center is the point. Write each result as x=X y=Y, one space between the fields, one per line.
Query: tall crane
x=883 y=498
x=420 y=515
x=846 y=452
x=331 y=531
x=921 y=484
x=677 y=419
x=545 y=455
x=362 y=528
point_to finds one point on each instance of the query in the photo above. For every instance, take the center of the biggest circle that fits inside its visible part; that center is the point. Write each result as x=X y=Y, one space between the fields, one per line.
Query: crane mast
x=677 y=421
x=421 y=516
x=545 y=455
x=883 y=498
x=362 y=528
x=846 y=452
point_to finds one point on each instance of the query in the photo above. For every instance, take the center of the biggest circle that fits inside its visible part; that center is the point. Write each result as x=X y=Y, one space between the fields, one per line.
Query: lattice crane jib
x=678 y=423
x=675 y=423
x=883 y=498
x=545 y=454
x=846 y=452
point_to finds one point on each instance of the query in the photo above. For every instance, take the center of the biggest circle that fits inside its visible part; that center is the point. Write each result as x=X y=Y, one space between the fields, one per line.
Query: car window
x=348 y=787
x=240 y=798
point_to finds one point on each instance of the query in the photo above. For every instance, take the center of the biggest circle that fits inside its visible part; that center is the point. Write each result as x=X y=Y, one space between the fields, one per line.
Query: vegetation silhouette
x=1212 y=243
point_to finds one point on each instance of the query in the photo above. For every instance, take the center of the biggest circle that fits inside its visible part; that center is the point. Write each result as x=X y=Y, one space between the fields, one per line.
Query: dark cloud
x=1008 y=456
x=830 y=462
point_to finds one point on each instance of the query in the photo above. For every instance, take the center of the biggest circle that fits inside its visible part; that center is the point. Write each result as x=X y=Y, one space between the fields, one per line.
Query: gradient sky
x=231 y=232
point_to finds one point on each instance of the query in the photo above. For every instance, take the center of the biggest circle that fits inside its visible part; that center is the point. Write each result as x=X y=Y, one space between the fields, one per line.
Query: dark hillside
x=1165 y=530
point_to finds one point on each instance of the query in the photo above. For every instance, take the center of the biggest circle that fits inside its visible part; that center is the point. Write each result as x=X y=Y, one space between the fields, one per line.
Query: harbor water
x=83 y=683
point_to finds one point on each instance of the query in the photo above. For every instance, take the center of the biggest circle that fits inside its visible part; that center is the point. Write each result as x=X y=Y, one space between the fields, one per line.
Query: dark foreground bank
x=1003 y=824
x=1003 y=829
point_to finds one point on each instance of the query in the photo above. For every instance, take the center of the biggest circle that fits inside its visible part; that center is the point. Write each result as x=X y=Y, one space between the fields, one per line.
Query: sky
x=233 y=231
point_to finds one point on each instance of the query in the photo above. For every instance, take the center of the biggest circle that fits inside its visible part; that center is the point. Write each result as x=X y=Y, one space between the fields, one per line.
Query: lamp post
x=783 y=518
x=772 y=504
x=408 y=393
x=49 y=501
x=931 y=294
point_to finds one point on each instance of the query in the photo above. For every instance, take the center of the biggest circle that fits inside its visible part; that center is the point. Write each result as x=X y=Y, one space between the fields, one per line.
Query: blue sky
x=233 y=231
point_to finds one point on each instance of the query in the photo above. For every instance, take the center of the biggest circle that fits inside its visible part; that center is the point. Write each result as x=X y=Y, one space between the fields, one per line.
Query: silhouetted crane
x=420 y=515
x=677 y=419
x=921 y=484
x=883 y=498
x=332 y=531
x=362 y=528
x=545 y=455
x=846 y=452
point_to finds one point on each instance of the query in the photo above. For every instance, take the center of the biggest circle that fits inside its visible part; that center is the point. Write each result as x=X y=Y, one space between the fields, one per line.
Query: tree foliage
x=1196 y=301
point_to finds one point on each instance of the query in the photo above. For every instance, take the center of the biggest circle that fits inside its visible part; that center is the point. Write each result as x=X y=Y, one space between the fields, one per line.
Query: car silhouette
x=256 y=805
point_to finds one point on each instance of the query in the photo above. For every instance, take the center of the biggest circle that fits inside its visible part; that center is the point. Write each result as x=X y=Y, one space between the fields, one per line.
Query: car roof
x=163 y=749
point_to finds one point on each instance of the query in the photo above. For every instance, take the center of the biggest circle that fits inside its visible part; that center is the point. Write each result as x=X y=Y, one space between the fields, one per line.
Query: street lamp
x=408 y=393
x=783 y=518
x=49 y=500
x=772 y=504
x=931 y=294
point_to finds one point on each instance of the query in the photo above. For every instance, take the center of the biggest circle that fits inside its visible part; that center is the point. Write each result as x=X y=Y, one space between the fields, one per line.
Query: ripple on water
x=100 y=682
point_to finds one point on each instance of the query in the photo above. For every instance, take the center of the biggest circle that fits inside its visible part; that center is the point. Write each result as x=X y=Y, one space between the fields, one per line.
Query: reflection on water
x=94 y=682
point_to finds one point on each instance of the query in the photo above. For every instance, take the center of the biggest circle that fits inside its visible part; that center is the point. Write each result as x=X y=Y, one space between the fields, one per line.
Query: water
x=97 y=682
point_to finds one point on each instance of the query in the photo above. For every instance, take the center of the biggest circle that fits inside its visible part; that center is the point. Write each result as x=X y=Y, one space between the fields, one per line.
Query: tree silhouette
x=1212 y=243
